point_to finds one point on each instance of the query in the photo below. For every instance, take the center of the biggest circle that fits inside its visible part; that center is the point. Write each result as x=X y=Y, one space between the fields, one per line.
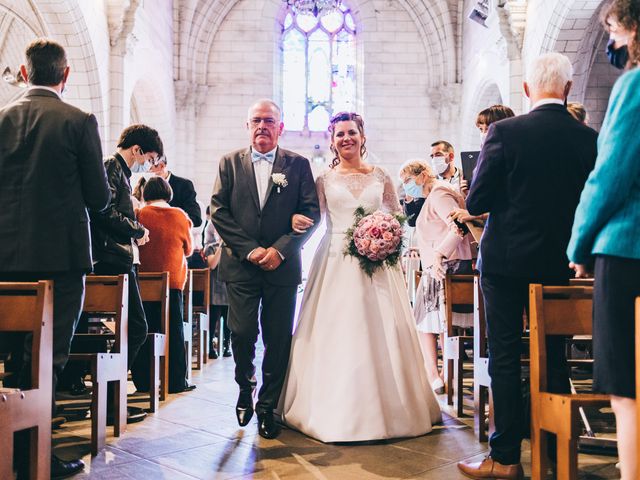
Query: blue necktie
x=257 y=156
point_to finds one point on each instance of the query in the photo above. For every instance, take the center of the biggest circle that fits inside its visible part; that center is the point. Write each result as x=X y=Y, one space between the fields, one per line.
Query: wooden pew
x=458 y=291
x=154 y=287
x=107 y=295
x=28 y=307
x=557 y=311
x=188 y=323
x=201 y=300
x=481 y=378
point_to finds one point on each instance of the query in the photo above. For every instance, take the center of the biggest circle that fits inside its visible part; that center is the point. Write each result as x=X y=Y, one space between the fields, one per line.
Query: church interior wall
x=191 y=68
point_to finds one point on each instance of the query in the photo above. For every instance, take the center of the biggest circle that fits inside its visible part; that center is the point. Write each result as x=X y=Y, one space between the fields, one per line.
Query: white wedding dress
x=356 y=371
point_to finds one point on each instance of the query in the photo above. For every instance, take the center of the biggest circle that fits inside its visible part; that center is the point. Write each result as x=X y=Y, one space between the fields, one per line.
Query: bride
x=356 y=371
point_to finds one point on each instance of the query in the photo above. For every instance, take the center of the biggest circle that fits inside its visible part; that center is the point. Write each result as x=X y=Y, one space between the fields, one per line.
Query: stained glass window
x=318 y=68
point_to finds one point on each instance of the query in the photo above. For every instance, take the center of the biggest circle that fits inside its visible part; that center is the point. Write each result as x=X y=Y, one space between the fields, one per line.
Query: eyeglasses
x=269 y=122
x=157 y=160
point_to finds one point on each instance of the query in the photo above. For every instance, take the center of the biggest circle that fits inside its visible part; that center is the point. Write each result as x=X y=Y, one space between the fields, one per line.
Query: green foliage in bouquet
x=391 y=256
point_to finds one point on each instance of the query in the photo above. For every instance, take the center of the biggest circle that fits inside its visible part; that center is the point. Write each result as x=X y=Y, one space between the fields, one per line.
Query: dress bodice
x=341 y=194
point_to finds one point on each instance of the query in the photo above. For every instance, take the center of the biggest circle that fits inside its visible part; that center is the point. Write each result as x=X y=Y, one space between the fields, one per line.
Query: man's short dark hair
x=447 y=146
x=46 y=62
x=145 y=137
x=157 y=188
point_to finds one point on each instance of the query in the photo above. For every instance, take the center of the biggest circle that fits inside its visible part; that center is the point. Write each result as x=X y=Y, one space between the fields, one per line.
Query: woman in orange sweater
x=167 y=251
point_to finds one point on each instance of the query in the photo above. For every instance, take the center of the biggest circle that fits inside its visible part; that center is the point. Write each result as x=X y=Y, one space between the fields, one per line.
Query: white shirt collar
x=547 y=101
x=43 y=87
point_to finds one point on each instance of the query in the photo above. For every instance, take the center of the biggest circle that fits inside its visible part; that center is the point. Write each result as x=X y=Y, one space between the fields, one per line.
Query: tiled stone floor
x=195 y=435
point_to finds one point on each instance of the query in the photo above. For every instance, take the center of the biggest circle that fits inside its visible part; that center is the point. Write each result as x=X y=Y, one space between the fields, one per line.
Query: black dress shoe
x=134 y=415
x=226 y=352
x=244 y=407
x=267 y=426
x=213 y=353
x=186 y=388
x=63 y=469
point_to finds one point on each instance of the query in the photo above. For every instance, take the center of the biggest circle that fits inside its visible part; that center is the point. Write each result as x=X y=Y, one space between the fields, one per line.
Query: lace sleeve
x=390 y=200
x=322 y=199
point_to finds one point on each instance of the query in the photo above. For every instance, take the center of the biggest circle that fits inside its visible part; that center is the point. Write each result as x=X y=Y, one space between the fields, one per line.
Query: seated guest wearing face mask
x=442 y=161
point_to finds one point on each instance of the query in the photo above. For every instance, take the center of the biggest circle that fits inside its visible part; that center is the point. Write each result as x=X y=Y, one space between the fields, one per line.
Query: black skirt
x=617 y=284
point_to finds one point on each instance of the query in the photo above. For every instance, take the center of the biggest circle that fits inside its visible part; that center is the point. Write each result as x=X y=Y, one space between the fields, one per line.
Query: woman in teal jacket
x=607 y=227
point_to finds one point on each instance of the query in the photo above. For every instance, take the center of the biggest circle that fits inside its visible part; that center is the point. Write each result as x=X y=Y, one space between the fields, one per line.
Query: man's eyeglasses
x=157 y=160
x=269 y=122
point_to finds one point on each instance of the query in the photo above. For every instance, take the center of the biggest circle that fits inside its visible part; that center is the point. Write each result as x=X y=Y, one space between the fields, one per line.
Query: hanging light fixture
x=15 y=80
x=317 y=8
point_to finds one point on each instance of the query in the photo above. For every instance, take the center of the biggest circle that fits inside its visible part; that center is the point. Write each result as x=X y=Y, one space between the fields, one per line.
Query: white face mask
x=439 y=164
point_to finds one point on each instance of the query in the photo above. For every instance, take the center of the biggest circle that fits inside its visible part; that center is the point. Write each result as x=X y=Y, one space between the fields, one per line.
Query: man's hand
x=464 y=187
x=257 y=255
x=300 y=223
x=144 y=239
x=461 y=215
x=271 y=260
x=581 y=270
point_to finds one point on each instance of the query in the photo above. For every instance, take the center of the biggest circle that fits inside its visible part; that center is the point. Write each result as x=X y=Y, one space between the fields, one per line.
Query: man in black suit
x=115 y=230
x=257 y=191
x=529 y=177
x=184 y=195
x=52 y=172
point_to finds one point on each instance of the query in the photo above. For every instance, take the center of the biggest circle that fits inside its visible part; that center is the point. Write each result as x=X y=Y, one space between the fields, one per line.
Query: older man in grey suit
x=257 y=191
x=52 y=172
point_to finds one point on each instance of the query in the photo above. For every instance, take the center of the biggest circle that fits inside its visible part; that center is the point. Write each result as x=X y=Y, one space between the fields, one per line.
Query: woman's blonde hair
x=415 y=167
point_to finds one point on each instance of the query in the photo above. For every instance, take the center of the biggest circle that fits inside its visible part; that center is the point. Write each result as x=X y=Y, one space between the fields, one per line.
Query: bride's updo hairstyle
x=345 y=117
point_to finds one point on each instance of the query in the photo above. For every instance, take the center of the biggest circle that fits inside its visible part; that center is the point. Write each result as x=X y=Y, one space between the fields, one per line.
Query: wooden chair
x=107 y=295
x=188 y=323
x=28 y=307
x=201 y=301
x=154 y=287
x=557 y=311
x=458 y=291
x=481 y=378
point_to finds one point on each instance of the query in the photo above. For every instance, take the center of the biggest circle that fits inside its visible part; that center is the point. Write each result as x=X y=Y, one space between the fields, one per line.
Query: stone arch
x=147 y=105
x=19 y=24
x=65 y=23
x=487 y=93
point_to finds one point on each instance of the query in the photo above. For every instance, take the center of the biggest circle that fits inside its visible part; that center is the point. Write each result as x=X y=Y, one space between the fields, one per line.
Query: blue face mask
x=138 y=168
x=413 y=190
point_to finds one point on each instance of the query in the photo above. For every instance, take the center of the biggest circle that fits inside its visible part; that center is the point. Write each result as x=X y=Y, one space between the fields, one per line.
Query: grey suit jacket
x=243 y=226
x=51 y=171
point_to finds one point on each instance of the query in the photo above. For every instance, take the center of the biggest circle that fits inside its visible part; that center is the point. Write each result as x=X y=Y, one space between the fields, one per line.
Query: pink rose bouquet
x=375 y=239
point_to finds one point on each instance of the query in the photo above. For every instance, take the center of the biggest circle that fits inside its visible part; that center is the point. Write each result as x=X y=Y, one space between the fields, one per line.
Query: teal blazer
x=607 y=219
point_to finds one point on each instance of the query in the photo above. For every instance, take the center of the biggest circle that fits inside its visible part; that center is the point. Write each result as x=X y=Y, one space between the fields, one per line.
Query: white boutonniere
x=279 y=180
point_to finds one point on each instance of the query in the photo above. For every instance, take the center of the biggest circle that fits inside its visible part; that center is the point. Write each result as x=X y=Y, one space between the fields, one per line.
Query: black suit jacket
x=243 y=226
x=51 y=171
x=184 y=197
x=529 y=177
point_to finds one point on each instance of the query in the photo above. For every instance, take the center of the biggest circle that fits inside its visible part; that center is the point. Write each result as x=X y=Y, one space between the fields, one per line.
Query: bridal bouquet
x=375 y=239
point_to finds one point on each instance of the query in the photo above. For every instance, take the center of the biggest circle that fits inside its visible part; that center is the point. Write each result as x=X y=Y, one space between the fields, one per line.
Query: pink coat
x=433 y=230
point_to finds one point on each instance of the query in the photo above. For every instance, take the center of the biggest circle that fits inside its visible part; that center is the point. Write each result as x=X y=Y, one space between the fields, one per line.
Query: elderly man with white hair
x=529 y=177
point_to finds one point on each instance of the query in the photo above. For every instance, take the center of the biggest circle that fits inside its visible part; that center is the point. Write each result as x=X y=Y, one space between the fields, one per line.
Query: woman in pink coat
x=442 y=250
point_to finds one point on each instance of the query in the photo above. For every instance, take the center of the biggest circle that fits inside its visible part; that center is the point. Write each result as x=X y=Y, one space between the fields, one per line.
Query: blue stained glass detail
x=318 y=68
